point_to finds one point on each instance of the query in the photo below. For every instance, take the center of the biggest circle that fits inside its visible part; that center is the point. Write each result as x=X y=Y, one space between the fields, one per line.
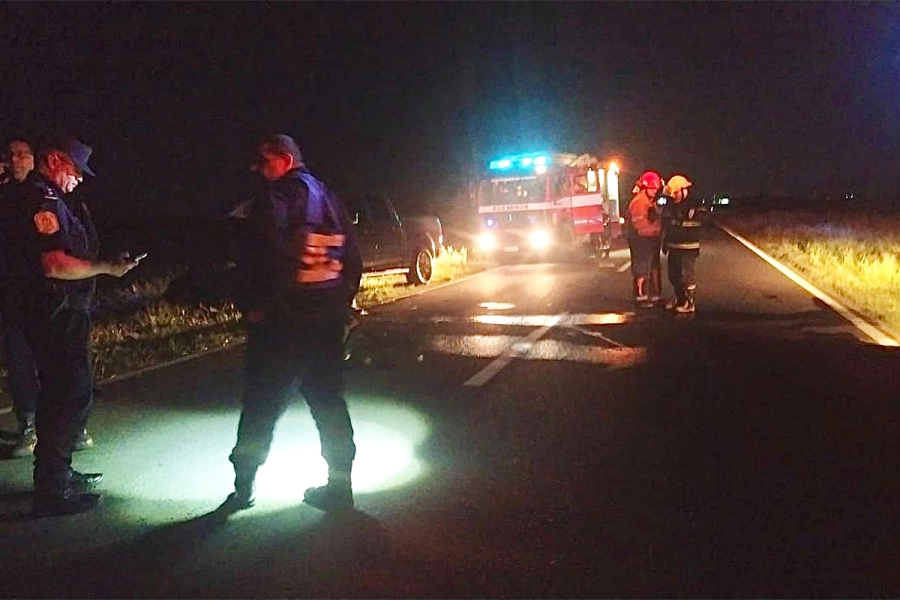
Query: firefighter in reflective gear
x=681 y=241
x=644 y=240
x=301 y=269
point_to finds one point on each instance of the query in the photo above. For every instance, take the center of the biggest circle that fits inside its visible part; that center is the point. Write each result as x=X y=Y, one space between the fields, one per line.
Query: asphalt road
x=522 y=433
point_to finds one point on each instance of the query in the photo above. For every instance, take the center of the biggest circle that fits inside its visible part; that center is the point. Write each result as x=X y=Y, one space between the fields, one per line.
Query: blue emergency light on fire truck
x=539 y=201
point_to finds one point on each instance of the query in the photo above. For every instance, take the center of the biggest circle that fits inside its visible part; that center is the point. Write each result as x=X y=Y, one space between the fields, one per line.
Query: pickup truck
x=389 y=243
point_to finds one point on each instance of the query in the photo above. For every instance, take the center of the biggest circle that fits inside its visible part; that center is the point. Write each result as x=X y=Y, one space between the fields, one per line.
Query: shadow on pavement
x=15 y=505
x=215 y=555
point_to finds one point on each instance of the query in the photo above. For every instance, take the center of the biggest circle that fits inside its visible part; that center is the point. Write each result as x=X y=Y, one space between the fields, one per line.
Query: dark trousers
x=280 y=355
x=681 y=271
x=62 y=346
x=21 y=366
x=644 y=255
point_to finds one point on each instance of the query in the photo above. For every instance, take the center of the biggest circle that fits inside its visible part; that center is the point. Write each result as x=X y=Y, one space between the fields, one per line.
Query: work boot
x=643 y=302
x=244 y=494
x=334 y=497
x=688 y=305
x=676 y=301
x=25 y=441
x=69 y=502
x=82 y=483
x=83 y=441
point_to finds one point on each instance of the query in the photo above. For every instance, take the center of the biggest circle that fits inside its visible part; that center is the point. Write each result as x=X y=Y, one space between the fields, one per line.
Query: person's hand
x=120 y=266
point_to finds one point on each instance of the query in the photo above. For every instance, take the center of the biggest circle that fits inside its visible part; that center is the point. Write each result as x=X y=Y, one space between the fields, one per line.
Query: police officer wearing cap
x=18 y=162
x=301 y=269
x=55 y=273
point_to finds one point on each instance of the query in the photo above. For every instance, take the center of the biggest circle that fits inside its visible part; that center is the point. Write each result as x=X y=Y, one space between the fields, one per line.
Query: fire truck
x=539 y=202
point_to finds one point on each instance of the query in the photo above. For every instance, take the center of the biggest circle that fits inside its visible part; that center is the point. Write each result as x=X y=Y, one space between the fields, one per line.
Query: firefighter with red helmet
x=681 y=241
x=644 y=233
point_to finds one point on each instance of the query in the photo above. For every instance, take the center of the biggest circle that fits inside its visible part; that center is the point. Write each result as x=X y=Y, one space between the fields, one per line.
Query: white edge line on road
x=876 y=334
x=624 y=267
x=486 y=374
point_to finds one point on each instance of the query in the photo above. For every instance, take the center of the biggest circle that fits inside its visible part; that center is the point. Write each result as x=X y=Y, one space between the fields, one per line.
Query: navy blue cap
x=78 y=152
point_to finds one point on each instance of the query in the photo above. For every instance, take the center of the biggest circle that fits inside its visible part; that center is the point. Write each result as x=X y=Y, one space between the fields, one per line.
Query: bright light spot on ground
x=497 y=305
x=178 y=456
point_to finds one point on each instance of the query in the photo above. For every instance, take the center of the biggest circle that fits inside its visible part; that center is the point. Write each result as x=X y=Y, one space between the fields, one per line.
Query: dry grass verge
x=854 y=257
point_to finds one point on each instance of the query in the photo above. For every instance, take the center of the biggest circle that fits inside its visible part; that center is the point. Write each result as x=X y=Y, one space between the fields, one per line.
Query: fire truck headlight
x=487 y=241
x=540 y=238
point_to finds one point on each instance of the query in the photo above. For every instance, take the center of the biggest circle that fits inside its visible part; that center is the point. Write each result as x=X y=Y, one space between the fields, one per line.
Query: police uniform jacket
x=681 y=225
x=49 y=222
x=276 y=270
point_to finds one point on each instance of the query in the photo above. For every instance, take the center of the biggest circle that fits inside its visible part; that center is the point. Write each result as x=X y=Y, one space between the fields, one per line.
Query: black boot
x=330 y=498
x=84 y=482
x=688 y=306
x=244 y=494
x=26 y=439
x=336 y=496
x=83 y=441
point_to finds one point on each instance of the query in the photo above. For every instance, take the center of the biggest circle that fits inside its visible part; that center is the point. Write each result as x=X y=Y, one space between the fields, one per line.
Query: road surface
x=522 y=433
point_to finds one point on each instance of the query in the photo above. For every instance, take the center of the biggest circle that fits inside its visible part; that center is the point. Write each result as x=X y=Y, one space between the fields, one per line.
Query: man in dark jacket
x=18 y=162
x=54 y=272
x=20 y=361
x=301 y=268
x=681 y=241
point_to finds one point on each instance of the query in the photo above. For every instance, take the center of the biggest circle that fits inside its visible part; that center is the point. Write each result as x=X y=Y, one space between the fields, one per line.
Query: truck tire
x=421 y=268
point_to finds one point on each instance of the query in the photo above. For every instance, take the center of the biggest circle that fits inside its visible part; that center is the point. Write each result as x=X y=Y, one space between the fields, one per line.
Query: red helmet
x=648 y=180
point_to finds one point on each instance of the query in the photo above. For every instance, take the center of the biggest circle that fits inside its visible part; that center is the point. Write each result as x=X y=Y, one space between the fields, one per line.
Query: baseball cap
x=77 y=151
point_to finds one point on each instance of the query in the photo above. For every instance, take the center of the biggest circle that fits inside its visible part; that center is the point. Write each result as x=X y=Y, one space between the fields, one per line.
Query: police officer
x=20 y=361
x=55 y=273
x=18 y=162
x=681 y=241
x=301 y=270
x=644 y=240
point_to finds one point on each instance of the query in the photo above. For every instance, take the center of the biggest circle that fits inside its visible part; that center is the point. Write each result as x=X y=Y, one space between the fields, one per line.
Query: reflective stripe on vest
x=316 y=265
x=319 y=254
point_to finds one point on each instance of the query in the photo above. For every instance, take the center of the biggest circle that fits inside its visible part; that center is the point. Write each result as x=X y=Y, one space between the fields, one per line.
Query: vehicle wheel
x=421 y=269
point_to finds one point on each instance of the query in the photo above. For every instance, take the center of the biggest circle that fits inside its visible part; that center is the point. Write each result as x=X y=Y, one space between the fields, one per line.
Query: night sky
x=406 y=98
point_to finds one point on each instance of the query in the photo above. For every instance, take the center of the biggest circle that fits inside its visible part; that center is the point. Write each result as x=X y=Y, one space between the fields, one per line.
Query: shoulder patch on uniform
x=46 y=222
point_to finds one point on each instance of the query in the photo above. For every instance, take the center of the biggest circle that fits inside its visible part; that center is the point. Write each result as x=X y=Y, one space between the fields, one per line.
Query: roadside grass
x=452 y=263
x=854 y=257
x=136 y=327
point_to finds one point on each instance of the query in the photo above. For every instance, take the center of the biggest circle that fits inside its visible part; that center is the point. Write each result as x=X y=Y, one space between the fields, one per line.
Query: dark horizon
x=408 y=98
